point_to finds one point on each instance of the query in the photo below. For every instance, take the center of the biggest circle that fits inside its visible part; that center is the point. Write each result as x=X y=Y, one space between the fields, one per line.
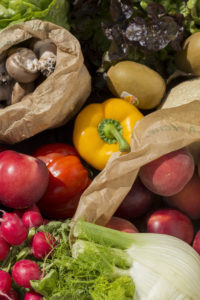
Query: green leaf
x=46 y=285
x=15 y=11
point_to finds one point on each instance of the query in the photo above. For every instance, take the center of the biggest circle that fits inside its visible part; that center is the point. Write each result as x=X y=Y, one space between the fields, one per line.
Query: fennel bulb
x=162 y=267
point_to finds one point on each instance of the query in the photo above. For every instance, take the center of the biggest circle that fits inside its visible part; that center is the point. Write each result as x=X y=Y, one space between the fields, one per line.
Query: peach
x=168 y=174
x=188 y=199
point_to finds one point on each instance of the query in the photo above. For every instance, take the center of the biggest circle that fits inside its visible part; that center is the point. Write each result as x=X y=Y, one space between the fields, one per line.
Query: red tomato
x=61 y=148
x=67 y=181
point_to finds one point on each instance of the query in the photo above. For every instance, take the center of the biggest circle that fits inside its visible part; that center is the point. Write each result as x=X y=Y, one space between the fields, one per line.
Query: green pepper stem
x=110 y=132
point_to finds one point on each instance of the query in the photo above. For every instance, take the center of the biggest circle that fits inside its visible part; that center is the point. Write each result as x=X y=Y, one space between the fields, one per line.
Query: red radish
x=4 y=249
x=12 y=294
x=32 y=296
x=20 y=212
x=13 y=229
x=121 y=225
x=32 y=219
x=23 y=179
x=5 y=282
x=25 y=270
x=42 y=244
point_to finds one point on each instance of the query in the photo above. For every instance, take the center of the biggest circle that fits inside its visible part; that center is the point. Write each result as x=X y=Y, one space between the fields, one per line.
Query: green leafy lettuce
x=15 y=11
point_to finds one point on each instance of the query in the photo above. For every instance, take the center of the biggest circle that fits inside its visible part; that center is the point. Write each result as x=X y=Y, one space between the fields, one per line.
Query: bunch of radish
x=14 y=231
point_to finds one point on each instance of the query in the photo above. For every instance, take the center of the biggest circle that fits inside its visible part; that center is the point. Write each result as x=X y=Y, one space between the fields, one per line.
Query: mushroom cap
x=41 y=46
x=22 y=65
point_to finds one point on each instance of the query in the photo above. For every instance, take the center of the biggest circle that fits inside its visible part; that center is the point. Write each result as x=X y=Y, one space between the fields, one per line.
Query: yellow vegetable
x=103 y=128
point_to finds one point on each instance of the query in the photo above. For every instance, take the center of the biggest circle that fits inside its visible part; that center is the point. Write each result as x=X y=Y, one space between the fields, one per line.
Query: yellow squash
x=103 y=128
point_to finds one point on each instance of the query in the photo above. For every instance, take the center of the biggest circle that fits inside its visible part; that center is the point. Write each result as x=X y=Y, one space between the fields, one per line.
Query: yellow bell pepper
x=103 y=128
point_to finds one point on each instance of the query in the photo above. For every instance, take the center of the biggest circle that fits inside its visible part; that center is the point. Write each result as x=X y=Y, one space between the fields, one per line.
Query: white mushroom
x=22 y=65
x=20 y=90
x=46 y=53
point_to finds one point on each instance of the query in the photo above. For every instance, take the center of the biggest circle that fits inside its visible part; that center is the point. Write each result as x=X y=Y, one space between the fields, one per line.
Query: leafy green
x=47 y=284
x=145 y=31
x=15 y=11
x=92 y=275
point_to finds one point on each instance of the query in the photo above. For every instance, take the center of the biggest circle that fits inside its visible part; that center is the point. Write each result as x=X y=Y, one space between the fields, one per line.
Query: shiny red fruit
x=171 y=222
x=121 y=225
x=67 y=181
x=23 y=179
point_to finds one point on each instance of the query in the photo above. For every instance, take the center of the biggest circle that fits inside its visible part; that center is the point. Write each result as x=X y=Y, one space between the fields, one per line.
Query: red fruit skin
x=20 y=212
x=5 y=281
x=32 y=296
x=32 y=219
x=188 y=199
x=12 y=294
x=136 y=203
x=13 y=229
x=4 y=248
x=25 y=270
x=23 y=179
x=67 y=181
x=171 y=222
x=47 y=159
x=168 y=174
x=121 y=225
x=42 y=244
x=49 y=152
x=196 y=242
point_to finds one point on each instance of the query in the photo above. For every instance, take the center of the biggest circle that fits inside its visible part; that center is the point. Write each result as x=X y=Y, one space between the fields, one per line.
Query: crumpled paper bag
x=154 y=135
x=59 y=97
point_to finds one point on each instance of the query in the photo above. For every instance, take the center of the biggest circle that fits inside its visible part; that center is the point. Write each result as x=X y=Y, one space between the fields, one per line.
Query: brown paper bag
x=156 y=134
x=56 y=99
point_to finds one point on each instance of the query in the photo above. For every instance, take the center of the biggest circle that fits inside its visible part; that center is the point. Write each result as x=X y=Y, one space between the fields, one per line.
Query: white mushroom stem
x=20 y=90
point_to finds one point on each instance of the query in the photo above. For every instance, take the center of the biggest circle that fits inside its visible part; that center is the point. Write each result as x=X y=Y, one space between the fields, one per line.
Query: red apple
x=121 y=225
x=136 y=203
x=188 y=199
x=171 y=222
x=23 y=179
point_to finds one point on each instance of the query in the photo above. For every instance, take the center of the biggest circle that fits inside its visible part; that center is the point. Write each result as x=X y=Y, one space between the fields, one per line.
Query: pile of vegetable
x=150 y=248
